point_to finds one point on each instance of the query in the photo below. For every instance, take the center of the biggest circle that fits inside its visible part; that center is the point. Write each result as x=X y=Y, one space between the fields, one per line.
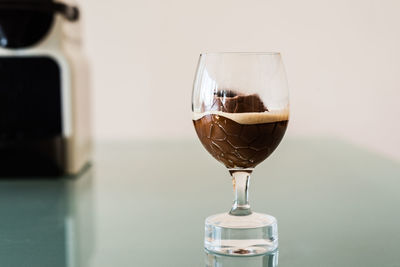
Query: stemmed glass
x=240 y=108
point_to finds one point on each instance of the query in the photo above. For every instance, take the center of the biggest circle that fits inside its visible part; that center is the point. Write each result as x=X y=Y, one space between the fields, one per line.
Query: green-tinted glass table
x=144 y=204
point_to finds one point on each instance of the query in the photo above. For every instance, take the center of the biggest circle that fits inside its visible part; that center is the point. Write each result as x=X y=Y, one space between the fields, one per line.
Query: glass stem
x=241 y=181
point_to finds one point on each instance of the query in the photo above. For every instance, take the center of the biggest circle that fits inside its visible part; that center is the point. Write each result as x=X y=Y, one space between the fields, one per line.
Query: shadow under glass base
x=248 y=235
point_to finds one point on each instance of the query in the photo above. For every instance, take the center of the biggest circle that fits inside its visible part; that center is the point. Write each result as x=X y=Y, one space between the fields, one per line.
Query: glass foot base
x=249 y=235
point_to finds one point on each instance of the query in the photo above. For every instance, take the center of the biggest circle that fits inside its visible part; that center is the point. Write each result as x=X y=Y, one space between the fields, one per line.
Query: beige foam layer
x=248 y=117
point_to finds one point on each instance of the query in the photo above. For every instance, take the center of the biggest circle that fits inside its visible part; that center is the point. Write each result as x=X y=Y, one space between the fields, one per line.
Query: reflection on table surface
x=267 y=260
x=46 y=222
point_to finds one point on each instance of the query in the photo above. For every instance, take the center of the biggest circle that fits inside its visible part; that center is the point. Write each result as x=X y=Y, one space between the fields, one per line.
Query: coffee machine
x=44 y=89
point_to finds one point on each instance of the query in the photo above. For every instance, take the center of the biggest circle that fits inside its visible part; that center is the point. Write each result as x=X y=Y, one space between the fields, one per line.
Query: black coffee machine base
x=32 y=158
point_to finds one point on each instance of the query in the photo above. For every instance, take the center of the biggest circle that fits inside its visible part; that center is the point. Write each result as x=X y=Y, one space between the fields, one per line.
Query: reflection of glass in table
x=218 y=260
x=147 y=212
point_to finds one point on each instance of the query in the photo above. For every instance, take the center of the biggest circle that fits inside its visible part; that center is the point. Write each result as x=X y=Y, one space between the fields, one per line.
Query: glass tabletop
x=144 y=204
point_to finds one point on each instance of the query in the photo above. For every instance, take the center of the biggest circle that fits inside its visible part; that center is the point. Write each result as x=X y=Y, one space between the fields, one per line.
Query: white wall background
x=342 y=59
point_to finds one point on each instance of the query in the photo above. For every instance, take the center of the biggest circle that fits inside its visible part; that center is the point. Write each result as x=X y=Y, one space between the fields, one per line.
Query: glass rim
x=271 y=53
